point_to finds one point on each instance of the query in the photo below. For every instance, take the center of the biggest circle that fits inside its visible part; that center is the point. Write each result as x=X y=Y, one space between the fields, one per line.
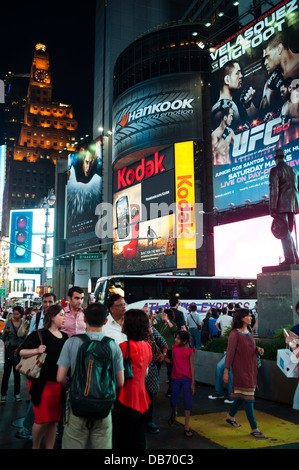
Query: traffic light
x=170 y=248
x=41 y=290
x=20 y=237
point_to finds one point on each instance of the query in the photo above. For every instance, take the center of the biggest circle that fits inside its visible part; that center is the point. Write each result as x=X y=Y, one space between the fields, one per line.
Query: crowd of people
x=139 y=340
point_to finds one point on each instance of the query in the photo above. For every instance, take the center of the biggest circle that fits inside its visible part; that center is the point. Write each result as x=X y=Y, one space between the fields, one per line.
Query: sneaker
x=3 y=399
x=215 y=396
x=23 y=434
x=152 y=428
x=18 y=398
x=228 y=400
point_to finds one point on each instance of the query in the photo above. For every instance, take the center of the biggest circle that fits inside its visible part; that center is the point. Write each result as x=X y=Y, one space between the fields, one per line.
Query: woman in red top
x=129 y=420
x=241 y=357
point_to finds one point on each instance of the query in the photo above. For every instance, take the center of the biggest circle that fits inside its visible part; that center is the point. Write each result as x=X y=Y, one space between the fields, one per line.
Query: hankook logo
x=156 y=108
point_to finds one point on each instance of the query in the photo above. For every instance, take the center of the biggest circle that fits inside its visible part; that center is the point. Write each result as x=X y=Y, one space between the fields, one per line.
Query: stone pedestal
x=278 y=293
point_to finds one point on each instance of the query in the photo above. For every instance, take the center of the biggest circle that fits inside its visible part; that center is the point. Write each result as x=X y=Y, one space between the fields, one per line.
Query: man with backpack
x=94 y=363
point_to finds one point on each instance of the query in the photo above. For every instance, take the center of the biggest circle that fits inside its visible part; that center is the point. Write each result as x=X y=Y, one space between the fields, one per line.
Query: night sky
x=67 y=28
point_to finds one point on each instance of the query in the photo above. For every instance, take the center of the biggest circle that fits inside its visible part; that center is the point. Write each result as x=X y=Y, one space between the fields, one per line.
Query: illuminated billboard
x=152 y=113
x=153 y=212
x=244 y=248
x=84 y=193
x=27 y=231
x=2 y=177
x=254 y=104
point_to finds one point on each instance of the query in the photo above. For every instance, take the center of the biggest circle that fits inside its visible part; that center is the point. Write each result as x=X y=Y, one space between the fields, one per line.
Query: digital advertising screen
x=244 y=248
x=84 y=193
x=152 y=113
x=2 y=177
x=153 y=212
x=254 y=104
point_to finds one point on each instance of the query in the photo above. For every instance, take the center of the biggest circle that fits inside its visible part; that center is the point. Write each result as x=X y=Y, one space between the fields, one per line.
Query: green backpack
x=92 y=391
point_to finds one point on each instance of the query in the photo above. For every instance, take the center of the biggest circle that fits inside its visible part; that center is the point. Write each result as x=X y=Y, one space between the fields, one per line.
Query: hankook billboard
x=255 y=104
x=153 y=112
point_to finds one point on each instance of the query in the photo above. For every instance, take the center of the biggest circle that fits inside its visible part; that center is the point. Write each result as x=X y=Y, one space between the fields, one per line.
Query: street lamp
x=48 y=202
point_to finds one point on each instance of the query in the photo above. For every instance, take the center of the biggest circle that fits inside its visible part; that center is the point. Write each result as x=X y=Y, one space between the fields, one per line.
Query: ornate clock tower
x=40 y=85
x=49 y=130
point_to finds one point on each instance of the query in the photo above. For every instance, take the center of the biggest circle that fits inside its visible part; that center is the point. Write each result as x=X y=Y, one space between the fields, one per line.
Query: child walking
x=182 y=377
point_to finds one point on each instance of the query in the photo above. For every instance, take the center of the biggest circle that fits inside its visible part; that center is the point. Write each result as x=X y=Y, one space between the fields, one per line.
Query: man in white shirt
x=224 y=321
x=117 y=309
x=48 y=299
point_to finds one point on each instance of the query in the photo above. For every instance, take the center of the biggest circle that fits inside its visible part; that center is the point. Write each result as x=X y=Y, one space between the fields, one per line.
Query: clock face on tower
x=41 y=76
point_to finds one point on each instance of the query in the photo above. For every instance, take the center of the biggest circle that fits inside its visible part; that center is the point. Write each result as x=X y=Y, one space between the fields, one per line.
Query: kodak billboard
x=154 y=212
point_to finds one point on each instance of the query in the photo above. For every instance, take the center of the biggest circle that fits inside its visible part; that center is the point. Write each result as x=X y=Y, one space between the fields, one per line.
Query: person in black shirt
x=46 y=392
x=178 y=315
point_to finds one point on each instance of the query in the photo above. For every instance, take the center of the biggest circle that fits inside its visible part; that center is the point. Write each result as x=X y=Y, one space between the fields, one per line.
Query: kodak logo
x=147 y=169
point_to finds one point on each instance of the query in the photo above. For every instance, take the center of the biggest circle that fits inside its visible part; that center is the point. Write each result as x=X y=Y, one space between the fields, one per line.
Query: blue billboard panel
x=20 y=237
x=254 y=104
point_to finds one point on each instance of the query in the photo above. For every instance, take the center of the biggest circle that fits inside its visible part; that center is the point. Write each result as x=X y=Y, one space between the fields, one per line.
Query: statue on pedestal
x=284 y=204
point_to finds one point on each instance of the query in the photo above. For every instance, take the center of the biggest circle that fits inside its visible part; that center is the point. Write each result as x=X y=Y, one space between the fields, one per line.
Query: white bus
x=154 y=291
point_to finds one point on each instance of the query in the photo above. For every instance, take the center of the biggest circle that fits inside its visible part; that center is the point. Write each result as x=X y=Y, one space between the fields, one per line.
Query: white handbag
x=286 y=363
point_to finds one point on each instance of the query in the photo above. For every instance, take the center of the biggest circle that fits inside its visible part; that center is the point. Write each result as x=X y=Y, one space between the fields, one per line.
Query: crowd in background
x=169 y=336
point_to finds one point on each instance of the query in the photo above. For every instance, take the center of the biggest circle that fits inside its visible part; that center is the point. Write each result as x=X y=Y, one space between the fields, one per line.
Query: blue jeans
x=249 y=410
x=219 y=378
x=29 y=418
x=196 y=337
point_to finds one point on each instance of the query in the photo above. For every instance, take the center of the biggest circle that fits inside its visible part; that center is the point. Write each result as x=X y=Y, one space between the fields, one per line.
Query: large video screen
x=84 y=193
x=154 y=212
x=255 y=104
x=244 y=248
x=151 y=113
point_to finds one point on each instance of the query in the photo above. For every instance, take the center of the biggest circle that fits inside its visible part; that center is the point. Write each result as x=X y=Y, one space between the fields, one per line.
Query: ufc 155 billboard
x=154 y=212
x=160 y=111
x=255 y=104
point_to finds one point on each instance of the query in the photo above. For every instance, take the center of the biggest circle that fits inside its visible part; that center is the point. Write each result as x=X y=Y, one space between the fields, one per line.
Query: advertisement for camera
x=255 y=105
x=154 y=212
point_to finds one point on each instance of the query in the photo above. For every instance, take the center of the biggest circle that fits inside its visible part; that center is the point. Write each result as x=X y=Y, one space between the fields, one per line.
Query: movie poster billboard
x=254 y=104
x=84 y=193
x=153 y=212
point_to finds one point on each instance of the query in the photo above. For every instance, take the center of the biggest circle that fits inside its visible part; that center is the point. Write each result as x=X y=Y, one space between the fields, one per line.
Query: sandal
x=258 y=435
x=172 y=419
x=188 y=433
x=233 y=423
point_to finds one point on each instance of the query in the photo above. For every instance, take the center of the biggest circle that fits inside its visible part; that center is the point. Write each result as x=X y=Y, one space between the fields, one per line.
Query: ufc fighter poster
x=254 y=104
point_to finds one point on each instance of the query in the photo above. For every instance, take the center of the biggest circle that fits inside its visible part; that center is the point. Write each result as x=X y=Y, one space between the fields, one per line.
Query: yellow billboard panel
x=185 y=201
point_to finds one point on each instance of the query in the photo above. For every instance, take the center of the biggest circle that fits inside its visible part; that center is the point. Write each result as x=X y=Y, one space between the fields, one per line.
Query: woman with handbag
x=45 y=392
x=159 y=351
x=12 y=343
x=241 y=357
x=129 y=415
